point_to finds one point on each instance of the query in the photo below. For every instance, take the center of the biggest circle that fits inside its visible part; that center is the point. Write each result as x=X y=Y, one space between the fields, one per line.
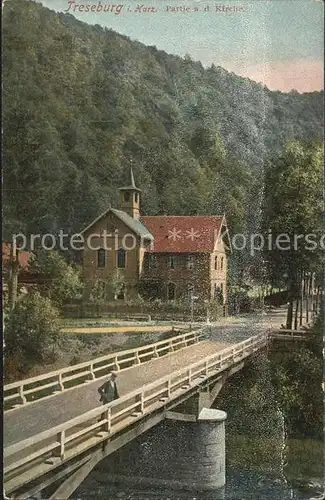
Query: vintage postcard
x=163 y=249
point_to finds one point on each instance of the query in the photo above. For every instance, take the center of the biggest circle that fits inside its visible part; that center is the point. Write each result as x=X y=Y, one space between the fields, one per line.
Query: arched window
x=221 y=299
x=136 y=197
x=190 y=290
x=171 y=291
x=216 y=262
x=126 y=196
x=218 y=292
x=121 y=293
x=221 y=263
x=121 y=258
x=101 y=257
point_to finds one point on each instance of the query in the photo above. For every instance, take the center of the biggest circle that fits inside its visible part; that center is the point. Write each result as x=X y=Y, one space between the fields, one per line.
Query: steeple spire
x=131 y=186
x=132 y=177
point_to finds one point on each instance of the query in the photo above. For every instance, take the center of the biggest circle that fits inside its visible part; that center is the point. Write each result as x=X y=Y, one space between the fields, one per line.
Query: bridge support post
x=211 y=450
x=185 y=452
x=203 y=400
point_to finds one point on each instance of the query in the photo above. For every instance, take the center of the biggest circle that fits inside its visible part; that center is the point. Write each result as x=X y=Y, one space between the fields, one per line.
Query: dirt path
x=119 y=329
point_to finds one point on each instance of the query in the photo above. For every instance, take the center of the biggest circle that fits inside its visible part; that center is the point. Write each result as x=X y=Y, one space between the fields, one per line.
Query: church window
x=190 y=291
x=121 y=258
x=121 y=293
x=101 y=257
x=171 y=261
x=171 y=291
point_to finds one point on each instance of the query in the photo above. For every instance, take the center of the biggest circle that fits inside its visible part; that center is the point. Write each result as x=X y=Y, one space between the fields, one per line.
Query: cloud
x=303 y=75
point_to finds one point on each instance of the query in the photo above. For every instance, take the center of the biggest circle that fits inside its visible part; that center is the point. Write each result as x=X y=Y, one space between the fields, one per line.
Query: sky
x=279 y=43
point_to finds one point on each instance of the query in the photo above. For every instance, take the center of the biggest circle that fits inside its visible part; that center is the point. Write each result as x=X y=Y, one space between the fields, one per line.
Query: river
x=274 y=434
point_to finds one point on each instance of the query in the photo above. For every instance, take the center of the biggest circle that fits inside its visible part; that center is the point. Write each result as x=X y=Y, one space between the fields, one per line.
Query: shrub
x=63 y=281
x=32 y=329
x=13 y=368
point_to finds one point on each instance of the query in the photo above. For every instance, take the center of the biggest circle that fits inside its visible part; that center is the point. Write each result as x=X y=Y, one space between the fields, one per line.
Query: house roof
x=23 y=256
x=134 y=224
x=184 y=234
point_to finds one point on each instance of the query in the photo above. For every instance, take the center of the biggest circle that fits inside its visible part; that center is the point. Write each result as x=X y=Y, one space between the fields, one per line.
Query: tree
x=108 y=289
x=98 y=292
x=80 y=99
x=32 y=329
x=293 y=207
x=117 y=284
x=297 y=372
x=232 y=181
x=61 y=280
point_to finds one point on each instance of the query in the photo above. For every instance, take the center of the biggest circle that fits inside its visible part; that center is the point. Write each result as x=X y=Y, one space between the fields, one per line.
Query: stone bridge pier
x=177 y=454
x=185 y=453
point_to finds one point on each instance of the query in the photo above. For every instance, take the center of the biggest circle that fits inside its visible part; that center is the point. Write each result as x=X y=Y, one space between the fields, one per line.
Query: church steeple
x=132 y=177
x=130 y=198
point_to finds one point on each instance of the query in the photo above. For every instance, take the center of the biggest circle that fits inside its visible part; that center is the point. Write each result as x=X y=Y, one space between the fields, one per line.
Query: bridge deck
x=145 y=388
x=44 y=414
x=27 y=421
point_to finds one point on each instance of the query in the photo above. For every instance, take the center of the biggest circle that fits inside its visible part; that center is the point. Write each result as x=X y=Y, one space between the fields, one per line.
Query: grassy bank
x=75 y=348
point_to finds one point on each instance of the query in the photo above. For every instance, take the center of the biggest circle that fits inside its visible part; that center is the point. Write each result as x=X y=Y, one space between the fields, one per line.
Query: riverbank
x=82 y=340
x=75 y=348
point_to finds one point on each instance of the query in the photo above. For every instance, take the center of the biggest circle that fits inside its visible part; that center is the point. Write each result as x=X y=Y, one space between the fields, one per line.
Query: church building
x=157 y=257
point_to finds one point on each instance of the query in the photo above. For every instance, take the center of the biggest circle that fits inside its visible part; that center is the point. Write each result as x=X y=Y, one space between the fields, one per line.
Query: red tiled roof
x=181 y=234
x=23 y=256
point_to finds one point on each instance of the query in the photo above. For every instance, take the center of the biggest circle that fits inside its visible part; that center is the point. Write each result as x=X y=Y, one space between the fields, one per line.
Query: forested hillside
x=82 y=102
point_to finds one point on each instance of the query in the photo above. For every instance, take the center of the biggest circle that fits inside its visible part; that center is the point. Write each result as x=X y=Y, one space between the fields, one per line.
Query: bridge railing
x=35 y=388
x=291 y=334
x=79 y=434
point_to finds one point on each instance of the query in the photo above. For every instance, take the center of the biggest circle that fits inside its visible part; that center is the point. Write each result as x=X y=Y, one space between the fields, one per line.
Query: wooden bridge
x=55 y=430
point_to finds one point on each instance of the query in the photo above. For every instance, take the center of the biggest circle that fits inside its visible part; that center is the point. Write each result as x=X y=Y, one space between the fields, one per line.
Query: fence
x=63 y=442
x=31 y=389
x=291 y=335
x=149 y=311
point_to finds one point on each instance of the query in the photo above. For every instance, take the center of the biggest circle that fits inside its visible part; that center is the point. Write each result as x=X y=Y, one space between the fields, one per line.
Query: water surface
x=274 y=435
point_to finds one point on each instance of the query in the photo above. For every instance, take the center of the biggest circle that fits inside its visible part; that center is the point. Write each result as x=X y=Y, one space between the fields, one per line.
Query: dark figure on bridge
x=108 y=391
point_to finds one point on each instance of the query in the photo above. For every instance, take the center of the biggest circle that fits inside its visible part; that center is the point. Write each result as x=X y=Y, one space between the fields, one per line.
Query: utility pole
x=313 y=296
x=192 y=307
x=208 y=316
x=13 y=276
